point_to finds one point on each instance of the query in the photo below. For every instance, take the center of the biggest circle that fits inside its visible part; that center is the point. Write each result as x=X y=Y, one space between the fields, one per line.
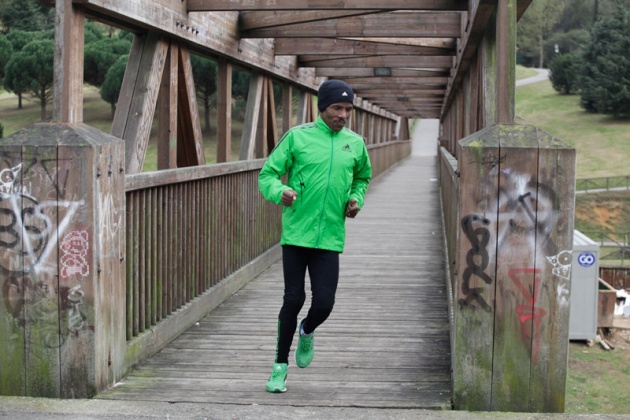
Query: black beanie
x=333 y=91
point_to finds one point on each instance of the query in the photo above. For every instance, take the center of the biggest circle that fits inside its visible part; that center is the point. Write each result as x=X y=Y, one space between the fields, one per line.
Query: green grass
x=13 y=118
x=601 y=142
x=597 y=380
x=524 y=72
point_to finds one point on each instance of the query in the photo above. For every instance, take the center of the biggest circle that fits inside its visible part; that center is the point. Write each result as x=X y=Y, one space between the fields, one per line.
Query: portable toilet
x=584 y=288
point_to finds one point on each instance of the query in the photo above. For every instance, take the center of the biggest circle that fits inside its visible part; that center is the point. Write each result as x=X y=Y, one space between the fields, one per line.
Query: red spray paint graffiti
x=529 y=312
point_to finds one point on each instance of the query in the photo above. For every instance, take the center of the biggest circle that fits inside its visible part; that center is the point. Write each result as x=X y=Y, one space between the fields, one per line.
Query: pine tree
x=605 y=75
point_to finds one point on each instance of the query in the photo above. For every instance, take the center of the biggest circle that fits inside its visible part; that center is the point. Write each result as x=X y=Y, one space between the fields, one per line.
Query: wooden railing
x=384 y=155
x=449 y=184
x=186 y=230
x=449 y=188
x=189 y=228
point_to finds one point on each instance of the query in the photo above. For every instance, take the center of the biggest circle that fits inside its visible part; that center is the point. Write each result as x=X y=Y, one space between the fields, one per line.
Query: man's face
x=336 y=115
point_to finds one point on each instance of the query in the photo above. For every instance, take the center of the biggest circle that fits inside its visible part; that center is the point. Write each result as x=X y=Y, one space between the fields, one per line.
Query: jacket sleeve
x=278 y=164
x=362 y=174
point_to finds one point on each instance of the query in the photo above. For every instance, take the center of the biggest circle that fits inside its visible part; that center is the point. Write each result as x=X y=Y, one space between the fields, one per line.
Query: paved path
x=543 y=74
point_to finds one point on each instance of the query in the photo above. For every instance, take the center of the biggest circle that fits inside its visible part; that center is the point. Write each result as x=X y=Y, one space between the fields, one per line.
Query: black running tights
x=323 y=270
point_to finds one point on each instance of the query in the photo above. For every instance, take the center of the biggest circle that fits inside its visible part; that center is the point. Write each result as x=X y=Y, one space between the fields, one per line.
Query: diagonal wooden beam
x=231 y=5
x=167 y=111
x=189 y=138
x=252 y=114
x=403 y=25
x=138 y=97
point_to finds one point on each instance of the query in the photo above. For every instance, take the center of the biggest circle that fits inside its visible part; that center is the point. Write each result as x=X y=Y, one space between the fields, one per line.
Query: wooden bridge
x=455 y=284
x=385 y=345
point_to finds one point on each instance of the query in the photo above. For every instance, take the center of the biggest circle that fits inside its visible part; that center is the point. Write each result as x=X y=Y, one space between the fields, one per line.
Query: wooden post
x=252 y=114
x=68 y=69
x=287 y=107
x=224 y=111
x=513 y=259
x=506 y=60
x=62 y=203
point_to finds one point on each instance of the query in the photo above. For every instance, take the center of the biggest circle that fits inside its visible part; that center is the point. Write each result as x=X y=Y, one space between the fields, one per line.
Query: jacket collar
x=324 y=127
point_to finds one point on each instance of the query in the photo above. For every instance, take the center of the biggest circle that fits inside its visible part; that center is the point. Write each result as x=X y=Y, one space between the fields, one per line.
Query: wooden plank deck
x=385 y=345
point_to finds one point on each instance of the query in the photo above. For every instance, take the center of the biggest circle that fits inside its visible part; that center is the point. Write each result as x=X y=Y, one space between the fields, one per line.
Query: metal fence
x=615 y=183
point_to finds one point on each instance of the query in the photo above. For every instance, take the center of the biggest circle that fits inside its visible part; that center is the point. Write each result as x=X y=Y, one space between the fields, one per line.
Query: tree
x=605 y=74
x=13 y=80
x=576 y=15
x=205 y=75
x=91 y=33
x=100 y=55
x=110 y=89
x=240 y=83
x=19 y=38
x=6 y=50
x=25 y=15
x=31 y=71
x=535 y=26
x=240 y=91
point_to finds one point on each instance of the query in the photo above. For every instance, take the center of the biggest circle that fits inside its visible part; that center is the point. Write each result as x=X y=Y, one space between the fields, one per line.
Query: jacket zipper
x=321 y=217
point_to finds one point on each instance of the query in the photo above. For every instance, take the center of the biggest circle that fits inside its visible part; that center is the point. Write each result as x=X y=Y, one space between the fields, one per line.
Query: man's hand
x=351 y=208
x=288 y=197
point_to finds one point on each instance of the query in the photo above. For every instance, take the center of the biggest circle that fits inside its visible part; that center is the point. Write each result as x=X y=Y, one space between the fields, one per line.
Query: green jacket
x=326 y=169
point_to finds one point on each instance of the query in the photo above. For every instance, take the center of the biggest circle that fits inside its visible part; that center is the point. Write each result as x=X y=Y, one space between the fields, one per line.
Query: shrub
x=564 y=73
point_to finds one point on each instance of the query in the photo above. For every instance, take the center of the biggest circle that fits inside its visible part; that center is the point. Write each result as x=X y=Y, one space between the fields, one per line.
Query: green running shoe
x=277 y=380
x=305 y=351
